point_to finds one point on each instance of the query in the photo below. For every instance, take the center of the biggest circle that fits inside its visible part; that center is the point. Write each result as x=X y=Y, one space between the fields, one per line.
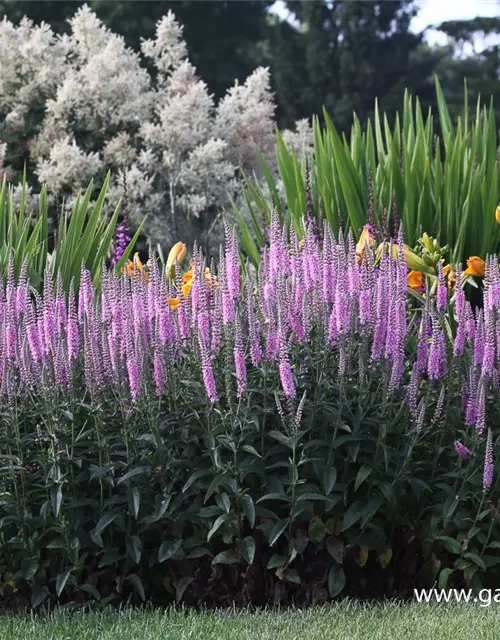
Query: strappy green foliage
x=447 y=185
x=84 y=235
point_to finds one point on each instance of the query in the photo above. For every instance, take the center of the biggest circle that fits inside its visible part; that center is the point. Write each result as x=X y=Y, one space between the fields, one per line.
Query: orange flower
x=450 y=275
x=475 y=267
x=497 y=214
x=174 y=303
x=366 y=239
x=416 y=281
x=187 y=283
x=135 y=266
x=186 y=288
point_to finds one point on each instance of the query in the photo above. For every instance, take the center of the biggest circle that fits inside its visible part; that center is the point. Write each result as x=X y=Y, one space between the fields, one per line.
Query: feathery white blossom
x=179 y=153
x=67 y=163
x=245 y=119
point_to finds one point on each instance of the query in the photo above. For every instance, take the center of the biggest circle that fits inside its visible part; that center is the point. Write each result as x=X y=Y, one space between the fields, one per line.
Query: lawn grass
x=346 y=620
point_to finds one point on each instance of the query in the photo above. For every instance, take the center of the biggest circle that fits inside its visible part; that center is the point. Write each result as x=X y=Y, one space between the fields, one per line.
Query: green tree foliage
x=480 y=66
x=343 y=54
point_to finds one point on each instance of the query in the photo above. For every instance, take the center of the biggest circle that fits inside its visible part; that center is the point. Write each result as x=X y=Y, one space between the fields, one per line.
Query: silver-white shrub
x=176 y=152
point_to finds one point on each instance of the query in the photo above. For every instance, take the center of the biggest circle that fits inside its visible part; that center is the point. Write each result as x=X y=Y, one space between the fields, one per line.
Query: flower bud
x=413 y=261
x=427 y=242
x=177 y=255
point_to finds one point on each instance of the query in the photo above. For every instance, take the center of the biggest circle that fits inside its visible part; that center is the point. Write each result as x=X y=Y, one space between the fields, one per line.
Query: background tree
x=479 y=65
x=223 y=37
x=344 y=54
x=337 y=53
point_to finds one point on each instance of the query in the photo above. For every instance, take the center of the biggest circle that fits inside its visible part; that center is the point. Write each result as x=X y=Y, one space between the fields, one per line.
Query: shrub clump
x=288 y=434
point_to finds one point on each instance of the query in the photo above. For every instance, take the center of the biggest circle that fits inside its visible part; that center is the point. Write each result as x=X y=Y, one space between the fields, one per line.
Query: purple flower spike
x=462 y=450
x=489 y=468
x=121 y=242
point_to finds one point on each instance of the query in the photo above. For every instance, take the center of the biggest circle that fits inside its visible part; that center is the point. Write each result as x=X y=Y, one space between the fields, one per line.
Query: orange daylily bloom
x=475 y=267
x=497 y=214
x=189 y=275
x=450 y=274
x=416 y=280
x=174 y=303
x=186 y=288
x=187 y=283
x=135 y=266
x=366 y=239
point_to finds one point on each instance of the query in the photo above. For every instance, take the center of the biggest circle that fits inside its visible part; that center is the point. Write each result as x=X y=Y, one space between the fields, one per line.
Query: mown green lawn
x=344 y=621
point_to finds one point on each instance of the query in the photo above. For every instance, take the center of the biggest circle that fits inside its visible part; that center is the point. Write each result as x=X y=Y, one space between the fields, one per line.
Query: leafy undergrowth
x=312 y=581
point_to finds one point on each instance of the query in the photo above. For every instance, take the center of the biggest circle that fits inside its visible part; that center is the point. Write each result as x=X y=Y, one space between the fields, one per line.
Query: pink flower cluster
x=306 y=291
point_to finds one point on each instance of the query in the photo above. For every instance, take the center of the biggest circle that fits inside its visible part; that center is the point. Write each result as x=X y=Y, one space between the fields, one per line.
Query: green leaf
x=274 y=496
x=181 y=587
x=281 y=438
x=385 y=557
x=167 y=549
x=494 y=544
x=329 y=479
x=106 y=520
x=276 y=531
x=135 y=495
x=89 y=588
x=29 y=567
x=449 y=506
x=291 y=575
x=56 y=544
x=316 y=530
x=232 y=556
x=218 y=523
x=476 y=559
x=198 y=552
x=136 y=582
x=451 y=545
x=249 y=509
x=197 y=475
x=247 y=548
x=353 y=514
x=277 y=560
x=362 y=475
x=38 y=596
x=335 y=548
x=444 y=574
x=210 y=512
x=134 y=548
x=61 y=580
x=132 y=473
x=56 y=497
x=111 y=556
x=336 y=581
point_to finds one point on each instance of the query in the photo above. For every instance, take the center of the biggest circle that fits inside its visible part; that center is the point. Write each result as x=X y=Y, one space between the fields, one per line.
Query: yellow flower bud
x=497 y=214
x=413 y=261
x=427 y=242
x=366 y=239
x=177 y=255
